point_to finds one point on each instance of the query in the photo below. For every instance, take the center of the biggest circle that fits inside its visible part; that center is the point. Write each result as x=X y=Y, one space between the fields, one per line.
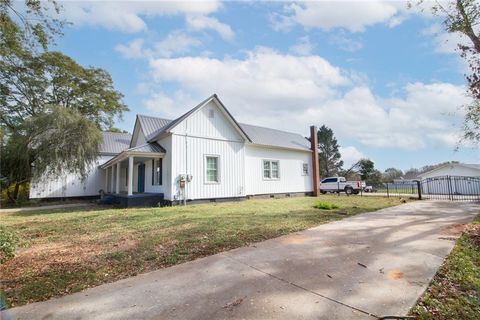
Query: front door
x=141 y=178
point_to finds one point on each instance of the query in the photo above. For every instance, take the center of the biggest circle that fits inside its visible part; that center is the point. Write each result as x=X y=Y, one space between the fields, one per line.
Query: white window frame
x=305 y=164
x=270 y=161
x=205 y=164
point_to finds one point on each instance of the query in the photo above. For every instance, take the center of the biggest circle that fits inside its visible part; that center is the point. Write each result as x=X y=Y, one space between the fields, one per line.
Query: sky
x=385 y=78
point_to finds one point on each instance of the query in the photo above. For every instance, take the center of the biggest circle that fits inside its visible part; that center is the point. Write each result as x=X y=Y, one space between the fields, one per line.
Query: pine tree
x=329 y=156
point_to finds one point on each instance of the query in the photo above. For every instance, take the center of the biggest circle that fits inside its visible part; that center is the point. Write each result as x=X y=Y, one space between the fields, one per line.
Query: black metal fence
x=453 y=188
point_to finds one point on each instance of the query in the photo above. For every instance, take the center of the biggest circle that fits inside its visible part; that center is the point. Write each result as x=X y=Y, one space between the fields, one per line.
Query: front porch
x=134 y=177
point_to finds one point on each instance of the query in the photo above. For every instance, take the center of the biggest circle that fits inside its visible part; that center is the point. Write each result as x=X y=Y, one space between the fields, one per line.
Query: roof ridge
x=147 y=116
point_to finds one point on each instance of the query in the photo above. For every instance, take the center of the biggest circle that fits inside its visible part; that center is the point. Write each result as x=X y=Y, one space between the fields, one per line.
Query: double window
x=157 y=172
x=271 y=169
x=212 y=172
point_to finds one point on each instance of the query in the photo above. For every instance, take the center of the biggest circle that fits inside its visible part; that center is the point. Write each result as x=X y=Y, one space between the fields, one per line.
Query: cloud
x=266 y=86
x=353 y=16
x=350 y=155
x=202 y=22
x=133 y=50
x=128 y=16
x=344 y=42
x=176 y=42
x=303 y=48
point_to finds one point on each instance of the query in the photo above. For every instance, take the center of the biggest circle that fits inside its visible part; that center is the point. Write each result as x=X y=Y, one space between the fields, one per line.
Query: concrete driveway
x=363 y=267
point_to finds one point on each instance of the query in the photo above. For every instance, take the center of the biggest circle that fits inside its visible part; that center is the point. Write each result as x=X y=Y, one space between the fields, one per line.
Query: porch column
x=117 y=182
x=106 y=180
x=130 y=175
x=112 y=185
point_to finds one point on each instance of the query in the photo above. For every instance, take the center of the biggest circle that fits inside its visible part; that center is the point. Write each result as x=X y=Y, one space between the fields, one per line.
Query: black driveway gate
x=454 y=188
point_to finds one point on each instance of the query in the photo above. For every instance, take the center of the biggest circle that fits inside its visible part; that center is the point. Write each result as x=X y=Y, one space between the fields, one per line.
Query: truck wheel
x=323 y=192
x=348 y=190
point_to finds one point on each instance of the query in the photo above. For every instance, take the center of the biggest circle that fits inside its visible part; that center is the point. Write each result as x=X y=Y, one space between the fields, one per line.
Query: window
x=329 y=180
x=271 y=170
x=305 y=169
x=157 y=171
x=212 y=172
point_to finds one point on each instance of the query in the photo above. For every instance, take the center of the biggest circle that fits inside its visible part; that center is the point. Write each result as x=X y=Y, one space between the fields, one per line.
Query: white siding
x=201 y=125
x=290 y=163
x=70 y=185
x=189 y=158
x=138 y=137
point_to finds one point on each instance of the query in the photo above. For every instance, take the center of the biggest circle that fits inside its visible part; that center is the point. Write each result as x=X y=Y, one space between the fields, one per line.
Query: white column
x=117 y=182
x=130 y=176
x=106 y=180
x=112 y=185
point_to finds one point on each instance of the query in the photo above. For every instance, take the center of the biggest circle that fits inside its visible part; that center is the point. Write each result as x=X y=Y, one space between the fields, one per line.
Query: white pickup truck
x=340 y=184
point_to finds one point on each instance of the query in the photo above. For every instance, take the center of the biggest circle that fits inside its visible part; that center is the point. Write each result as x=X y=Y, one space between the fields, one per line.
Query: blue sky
x=386 y=79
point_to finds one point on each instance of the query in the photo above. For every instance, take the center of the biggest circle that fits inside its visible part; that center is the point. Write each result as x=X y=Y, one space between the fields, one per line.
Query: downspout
x=186 y=164
x=315 y=163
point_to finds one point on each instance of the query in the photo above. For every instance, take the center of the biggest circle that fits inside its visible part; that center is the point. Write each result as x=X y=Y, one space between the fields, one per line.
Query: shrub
x=8 y=244
x=325 y=205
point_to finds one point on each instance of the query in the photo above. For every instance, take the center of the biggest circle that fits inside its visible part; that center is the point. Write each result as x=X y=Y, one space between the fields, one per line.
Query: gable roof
x=276 y=138
x=114 y=142
x=151 y=125
x=154 y=127
x=174 y=123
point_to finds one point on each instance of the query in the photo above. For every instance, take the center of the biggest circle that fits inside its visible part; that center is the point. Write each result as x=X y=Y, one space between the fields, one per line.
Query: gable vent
x=210 y=113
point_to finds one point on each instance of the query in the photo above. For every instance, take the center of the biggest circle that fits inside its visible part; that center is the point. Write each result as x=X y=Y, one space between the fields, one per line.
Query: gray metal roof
x=275 y=138
x=152 y=125
x=152 y=147
x=114 y=142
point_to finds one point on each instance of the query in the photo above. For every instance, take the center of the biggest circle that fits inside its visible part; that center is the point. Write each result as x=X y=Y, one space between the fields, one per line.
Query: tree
x=463 y=17
x=368 y=173
x=51 y=108
x=329 y=156
x=391 y=174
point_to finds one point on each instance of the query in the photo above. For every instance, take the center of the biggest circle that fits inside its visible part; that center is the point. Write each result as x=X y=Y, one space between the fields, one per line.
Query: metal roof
x=275 y=138
x=152 y=125
x=114 y=142
x=148 y=147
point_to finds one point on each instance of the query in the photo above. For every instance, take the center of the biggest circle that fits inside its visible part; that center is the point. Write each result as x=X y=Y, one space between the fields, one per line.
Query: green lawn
x=66 y=251
x=454 y=293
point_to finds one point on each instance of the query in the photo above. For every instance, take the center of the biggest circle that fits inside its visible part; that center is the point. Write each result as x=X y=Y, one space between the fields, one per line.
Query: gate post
x=388 y=193
x=450 y=192
x=419 y=190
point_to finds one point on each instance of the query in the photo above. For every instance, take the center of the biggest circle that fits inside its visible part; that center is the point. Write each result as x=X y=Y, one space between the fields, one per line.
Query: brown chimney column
x=315 y=163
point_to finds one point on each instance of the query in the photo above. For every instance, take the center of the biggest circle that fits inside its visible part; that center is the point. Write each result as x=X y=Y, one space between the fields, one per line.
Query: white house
x=453 y=179
x=204 y=154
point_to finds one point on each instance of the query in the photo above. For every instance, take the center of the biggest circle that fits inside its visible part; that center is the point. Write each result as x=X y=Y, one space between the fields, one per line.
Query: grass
x=325 y=205
x=69 y=250
x=455 y=291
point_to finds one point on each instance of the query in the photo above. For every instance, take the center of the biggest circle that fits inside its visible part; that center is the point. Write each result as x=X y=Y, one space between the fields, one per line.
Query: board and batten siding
x=190 y=156
x=70 y=185
x=290 y=163
x=205 y=124
x=207 y=132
